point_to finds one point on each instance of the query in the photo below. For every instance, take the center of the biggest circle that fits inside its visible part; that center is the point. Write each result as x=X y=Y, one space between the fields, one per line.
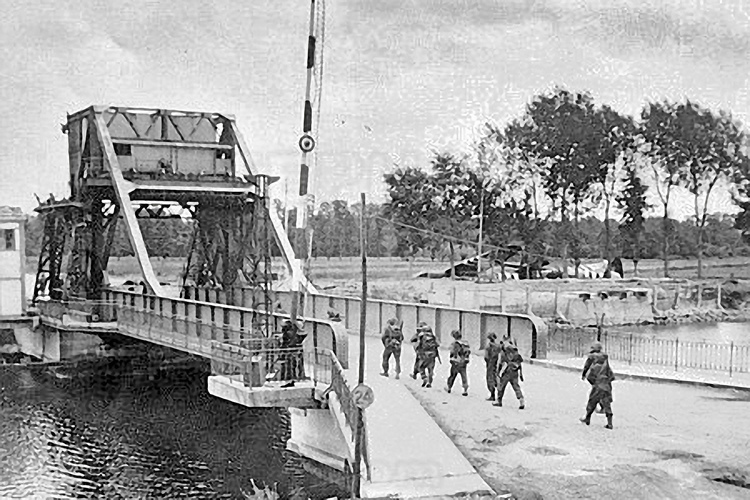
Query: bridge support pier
x=316 y=435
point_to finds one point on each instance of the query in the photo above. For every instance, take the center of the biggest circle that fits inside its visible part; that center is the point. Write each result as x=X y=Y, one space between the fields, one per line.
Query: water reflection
x=118 y=437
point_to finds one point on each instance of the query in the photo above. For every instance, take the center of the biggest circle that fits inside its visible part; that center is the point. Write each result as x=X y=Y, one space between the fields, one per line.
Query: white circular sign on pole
x=362 y=396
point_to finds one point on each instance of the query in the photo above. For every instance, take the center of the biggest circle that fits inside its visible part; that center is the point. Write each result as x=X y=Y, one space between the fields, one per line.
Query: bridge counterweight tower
x=128 y=164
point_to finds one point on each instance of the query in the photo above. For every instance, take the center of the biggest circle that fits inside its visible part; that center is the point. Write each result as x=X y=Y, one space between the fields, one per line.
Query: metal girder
x=126 y=207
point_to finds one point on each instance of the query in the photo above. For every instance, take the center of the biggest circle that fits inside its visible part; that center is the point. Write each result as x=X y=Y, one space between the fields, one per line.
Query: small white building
x=12 y=263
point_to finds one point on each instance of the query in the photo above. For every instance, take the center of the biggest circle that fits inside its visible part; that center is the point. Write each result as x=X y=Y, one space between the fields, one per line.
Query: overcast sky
x=402 y=77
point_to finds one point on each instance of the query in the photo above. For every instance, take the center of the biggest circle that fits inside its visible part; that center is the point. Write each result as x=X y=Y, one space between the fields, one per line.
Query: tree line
x=336 y=235
x=532 y=183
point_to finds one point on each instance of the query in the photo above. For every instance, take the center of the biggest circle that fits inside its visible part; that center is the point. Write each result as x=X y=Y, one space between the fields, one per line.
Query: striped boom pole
x=306 y=142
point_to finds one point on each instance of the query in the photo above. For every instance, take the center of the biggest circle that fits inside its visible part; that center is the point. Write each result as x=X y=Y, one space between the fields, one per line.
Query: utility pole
x=362 y=324
x=481 y=220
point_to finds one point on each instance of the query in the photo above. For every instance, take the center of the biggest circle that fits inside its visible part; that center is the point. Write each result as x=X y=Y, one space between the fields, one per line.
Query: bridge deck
x=410 y=455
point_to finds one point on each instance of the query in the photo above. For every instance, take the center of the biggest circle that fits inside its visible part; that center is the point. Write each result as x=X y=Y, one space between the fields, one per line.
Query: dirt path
x=667 y=439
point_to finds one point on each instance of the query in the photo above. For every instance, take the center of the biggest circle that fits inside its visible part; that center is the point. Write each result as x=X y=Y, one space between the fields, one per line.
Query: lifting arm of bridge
x=122 y=191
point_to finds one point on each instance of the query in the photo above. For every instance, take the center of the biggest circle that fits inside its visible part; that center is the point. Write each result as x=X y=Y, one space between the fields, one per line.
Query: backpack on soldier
x=464 y=353
x=514 y=363
x=429 y=343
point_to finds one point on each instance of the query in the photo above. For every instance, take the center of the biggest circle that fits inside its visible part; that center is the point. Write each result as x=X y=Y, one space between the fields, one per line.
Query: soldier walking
x=491 y=355
x=460 y=357
x=415 y=340
x=428 y=346
x=392 y=339
x=596 y=348
x=600 y=376
x=510 y=371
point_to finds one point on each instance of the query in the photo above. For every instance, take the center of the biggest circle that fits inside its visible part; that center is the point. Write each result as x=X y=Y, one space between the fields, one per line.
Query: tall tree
x=453 y=191
x=697 y=148
x=632 y=201
x=409 y=205
x=565 y=131
x=617 y=140
x=656 y=127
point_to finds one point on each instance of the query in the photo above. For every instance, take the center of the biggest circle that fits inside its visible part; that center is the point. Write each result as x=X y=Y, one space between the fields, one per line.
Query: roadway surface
x=410 y=455
x=669 y=441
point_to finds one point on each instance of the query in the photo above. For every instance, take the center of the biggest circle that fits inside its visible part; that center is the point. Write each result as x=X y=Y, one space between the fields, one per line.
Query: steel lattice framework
x=128 y=164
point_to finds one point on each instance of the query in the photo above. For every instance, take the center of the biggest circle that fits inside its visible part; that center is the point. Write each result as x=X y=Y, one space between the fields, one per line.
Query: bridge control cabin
x=157 y=150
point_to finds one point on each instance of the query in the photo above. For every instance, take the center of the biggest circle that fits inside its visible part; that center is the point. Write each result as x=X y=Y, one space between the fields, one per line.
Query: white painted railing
x=530 y=332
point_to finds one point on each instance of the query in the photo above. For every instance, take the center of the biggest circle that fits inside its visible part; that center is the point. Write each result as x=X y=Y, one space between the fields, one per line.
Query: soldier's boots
x=385 y=374
x=398 y=375
x=497 y=403
x=522 y=404
x=609 y=422
x=587 y=419
x=492 y=396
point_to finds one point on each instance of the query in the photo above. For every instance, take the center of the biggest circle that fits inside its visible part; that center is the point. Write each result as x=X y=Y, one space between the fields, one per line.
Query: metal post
x=731 y=357
x=718 y=296
x=481 y=218
x=676 y=352
x=362 y=326
x=630 y=356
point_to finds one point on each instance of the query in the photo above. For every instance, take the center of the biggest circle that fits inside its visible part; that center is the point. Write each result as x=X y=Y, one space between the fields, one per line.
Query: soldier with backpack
x=460 y=357
x=596 y=349
x=428 y=346
x=600 y=376
x=491 y=355
x=415 y=340
x=392 y=339
x=509 y=371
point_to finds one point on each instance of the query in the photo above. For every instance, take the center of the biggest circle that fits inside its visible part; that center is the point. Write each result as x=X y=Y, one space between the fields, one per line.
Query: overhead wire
x=456 y=239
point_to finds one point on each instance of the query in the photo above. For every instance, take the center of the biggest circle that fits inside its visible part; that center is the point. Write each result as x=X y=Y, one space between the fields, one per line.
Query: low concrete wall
x=618 y=307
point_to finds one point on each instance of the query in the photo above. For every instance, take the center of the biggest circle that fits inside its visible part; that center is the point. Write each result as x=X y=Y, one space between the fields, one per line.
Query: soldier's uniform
x=428 y=347
x=291 y=339
x=601 y=376
x=415 y=340
x=392 y=339
x=596 y=348
x=460 y=356
x=510 y=370
x=491 y=355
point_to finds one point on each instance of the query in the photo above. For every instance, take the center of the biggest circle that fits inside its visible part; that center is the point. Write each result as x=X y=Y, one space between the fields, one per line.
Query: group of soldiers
x=504 y=365
x=502 y=359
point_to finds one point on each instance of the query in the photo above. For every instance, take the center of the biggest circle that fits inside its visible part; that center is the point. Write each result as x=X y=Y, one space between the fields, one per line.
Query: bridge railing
x=255 y=367
x=194 y=324
x=58 y=308
x=528 y=331
x=326 y=369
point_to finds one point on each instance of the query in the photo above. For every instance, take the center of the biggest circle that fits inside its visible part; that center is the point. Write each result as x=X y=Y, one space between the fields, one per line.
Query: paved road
x=668 y=439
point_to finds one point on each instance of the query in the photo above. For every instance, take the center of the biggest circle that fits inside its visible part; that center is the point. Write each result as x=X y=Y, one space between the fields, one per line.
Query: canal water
x=714 y=333
x=130 y=437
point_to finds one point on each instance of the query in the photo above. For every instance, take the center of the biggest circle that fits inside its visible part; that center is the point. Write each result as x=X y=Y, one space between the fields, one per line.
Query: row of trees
x=336 y=234
x=562 y=159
